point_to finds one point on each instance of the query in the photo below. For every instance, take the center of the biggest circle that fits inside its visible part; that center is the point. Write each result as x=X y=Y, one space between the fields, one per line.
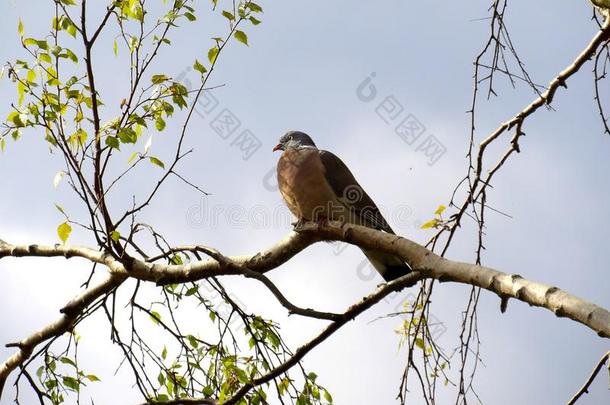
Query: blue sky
x=302 y=71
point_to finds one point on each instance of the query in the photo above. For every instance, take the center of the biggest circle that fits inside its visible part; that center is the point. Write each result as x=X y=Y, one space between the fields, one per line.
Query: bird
x=317 y=186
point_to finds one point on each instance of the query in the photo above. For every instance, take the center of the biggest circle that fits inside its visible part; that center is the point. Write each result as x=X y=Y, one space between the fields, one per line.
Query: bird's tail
x=389 y=266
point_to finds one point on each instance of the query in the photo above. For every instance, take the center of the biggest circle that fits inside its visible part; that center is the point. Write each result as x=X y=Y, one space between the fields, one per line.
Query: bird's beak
x=279 y=146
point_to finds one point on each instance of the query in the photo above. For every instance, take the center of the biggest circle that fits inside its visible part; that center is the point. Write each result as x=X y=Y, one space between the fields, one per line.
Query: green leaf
x=134 y=43
x=63 y=231
x=156 y=161
x=138 y=13
x=274 y=339
x=127 y=135
x=241 y=11
x=132 y=157
x=50 y=384
x=199 y=67
x=193 y=341
x=67 y=360
x=113 y=142
x=190 y=16
x=71 y=383
x=60 y=209
x=254 y=20
x=81 y=136
x=70 y=55
x=31 y=76
x=254 y=7
x=213 y=54
x=168 y=108
x=20 y=92
x=228 y=15
x=164 y=354
x=30 y=42
x=155 y=317
x=430 y=224
x=160 y=124
x=115 y=236
x=440 y=210
x=16 y=119
x=20 y=29
x=191 y=291
x=158 y=79
x=92 y=377
x=44 y=57
x=241 y=37
x=328 y=397
x=115 y=48
x=71 y=29
x=419 y=342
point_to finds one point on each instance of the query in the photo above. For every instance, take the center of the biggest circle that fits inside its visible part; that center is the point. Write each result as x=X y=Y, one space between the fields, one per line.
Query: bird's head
x=294 y=140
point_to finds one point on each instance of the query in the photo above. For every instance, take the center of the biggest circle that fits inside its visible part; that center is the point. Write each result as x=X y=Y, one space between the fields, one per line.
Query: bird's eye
x=290 y=138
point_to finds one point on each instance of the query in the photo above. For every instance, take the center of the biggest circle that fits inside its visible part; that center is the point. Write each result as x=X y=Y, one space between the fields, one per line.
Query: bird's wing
x=350 y=193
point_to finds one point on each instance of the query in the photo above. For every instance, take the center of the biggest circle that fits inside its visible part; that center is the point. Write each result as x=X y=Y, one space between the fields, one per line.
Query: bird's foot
x=299 y=224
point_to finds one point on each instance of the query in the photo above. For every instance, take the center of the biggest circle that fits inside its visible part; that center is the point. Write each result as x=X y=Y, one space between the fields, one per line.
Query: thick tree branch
x=421 y=259
x=504 y=285
x=184 y=401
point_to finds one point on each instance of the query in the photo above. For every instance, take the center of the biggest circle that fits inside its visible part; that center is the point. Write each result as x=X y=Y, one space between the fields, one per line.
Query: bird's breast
x=302 y=182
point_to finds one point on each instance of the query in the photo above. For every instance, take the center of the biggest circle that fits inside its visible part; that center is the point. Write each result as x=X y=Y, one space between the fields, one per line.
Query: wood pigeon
x=318 y=186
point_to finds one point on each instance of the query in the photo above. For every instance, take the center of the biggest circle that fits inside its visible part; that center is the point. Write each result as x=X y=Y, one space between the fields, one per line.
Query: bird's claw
x=298 y=224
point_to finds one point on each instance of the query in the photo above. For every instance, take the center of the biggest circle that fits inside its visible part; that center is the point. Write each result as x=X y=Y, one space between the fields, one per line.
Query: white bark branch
x=419 y=258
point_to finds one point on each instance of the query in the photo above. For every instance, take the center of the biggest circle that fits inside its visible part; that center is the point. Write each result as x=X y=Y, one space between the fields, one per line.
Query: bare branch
x=351 y=313
x=585 y=388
